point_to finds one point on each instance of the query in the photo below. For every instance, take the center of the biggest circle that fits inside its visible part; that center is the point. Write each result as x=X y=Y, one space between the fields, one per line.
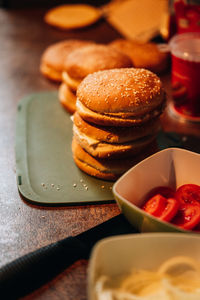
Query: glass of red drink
x=185 y=52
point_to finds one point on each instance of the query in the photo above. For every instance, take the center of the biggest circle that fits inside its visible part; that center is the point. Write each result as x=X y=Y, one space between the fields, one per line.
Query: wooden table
x=25 y=227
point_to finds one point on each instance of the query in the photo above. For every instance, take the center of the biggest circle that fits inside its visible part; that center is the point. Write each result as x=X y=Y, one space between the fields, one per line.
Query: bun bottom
x=50 y=73
x=104 y=168
x=67 y=98
x=90 y=170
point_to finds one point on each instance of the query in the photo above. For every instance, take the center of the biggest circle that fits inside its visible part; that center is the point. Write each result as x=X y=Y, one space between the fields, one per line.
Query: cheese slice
x=139 y=20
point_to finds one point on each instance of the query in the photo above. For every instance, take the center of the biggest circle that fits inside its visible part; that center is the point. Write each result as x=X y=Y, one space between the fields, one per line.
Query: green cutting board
x=46 y=172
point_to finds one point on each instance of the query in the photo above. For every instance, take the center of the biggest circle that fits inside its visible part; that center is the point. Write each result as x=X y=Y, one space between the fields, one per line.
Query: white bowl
x=118 y=255
x=171 y=167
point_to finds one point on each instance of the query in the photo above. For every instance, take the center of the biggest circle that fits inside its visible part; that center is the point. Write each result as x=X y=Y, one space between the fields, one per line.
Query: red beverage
x=185 y=50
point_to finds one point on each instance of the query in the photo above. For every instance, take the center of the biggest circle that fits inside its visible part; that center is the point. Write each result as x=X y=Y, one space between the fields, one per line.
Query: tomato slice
x=188 y=216
x=188 y=193
x=170 y=210
x=164 y=191
x=155 y=205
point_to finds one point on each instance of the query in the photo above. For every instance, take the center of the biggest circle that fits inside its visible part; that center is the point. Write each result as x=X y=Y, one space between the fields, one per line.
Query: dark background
x=45 y=3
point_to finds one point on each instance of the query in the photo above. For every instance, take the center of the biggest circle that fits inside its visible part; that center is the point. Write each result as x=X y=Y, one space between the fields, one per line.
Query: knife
x=27 y=273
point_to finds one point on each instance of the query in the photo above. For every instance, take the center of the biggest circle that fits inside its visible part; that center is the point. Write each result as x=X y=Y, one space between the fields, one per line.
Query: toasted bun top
x=143 y=55
x=55 y=54
x=93 y=58
x=119 y=91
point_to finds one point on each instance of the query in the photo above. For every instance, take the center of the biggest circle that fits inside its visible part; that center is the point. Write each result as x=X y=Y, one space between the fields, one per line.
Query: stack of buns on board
x=115 y=106
x=116 y=120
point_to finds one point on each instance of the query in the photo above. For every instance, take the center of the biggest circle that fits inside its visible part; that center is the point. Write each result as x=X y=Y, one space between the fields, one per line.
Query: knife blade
x=27 y=273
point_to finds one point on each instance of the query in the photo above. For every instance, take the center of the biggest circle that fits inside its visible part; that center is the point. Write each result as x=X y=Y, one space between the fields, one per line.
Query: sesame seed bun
x=120 y=97
x=67 y=98
x=143 y=55
x=102 y=168
x=52 y=60
x=92 y=58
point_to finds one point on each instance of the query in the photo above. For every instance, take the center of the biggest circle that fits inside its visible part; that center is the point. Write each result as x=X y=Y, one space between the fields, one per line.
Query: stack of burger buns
x=52 y=60
x=116 y=120
x=70 y=61
x=143 y=55
x=83 y=61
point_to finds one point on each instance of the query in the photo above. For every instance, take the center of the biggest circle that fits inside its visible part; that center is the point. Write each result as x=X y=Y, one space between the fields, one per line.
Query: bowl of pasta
x=162 y=192
x=148 y=266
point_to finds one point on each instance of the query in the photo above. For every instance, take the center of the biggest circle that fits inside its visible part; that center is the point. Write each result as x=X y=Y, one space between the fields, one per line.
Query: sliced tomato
x=188 y=216
x=188 y=193
x=164 y=191
x=170 y=210
x=155 y=205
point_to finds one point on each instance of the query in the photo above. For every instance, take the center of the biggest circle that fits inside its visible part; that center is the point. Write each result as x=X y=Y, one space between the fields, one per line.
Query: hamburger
x=116 y=120
x=120 y=97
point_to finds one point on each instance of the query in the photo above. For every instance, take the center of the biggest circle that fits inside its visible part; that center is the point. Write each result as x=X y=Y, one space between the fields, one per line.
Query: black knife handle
x=29 y=272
